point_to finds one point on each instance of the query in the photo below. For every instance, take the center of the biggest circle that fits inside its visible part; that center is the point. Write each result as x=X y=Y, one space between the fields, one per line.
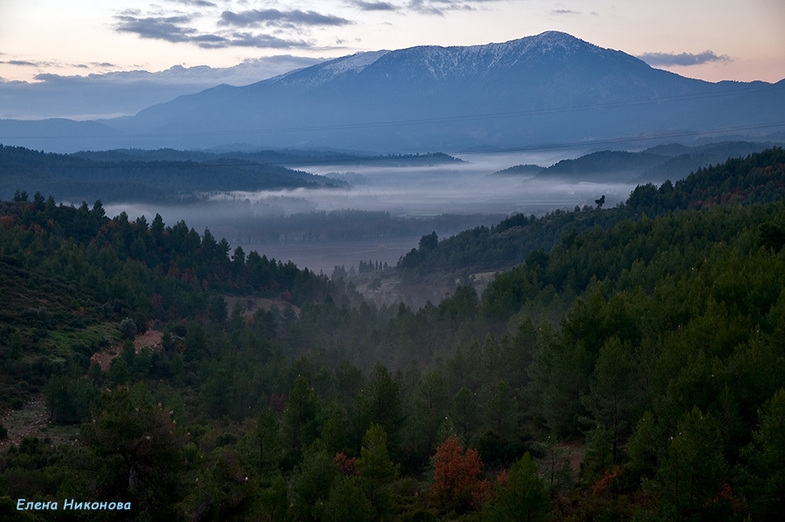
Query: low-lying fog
x=385 y=211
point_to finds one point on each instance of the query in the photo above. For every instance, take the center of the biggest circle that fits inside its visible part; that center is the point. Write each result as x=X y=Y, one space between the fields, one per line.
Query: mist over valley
x=327 y=209
x=384 y=211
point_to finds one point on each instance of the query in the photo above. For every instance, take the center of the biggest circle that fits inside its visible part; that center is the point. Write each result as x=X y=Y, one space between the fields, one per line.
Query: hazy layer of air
x=297 y=225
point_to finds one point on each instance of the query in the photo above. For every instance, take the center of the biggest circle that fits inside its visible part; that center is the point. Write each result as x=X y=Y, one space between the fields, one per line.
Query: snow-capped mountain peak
x=453 y=62
x=547 y=88
x=442 y=62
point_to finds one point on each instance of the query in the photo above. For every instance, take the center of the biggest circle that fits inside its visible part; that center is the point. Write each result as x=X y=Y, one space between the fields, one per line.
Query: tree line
x=130 y=178
x=755 y=178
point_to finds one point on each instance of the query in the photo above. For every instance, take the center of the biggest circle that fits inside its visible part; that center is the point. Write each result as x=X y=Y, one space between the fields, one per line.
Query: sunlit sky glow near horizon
x=708 y=39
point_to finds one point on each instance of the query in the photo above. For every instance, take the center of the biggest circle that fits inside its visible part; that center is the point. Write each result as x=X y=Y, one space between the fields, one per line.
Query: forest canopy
x=129 y=177
x=629 y=367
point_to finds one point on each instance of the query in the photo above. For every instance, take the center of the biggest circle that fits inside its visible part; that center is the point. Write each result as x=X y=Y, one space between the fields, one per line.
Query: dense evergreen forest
x=173 y=176
x=631 y=366
x=510 y=242
x=155 y=176
x=272 y=157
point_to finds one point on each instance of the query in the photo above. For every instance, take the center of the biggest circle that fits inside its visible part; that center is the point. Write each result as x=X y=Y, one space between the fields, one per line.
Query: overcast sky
x=708 y=39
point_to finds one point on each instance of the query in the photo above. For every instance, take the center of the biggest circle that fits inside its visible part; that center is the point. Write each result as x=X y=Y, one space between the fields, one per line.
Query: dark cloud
x=274 y=17
x=55 y=64
x=27 y=63
x=259 y=41
x=195 y=3
x=23 y=63
x=247 y=28
x=175 y=29
x=168 y=28
x=374 y=6
x=683 y=59
x=564 y=12
x=440 y=7
x=430 y=7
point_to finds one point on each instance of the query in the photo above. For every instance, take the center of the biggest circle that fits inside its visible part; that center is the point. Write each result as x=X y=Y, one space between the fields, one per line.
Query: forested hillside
x=269 y=157
x=634 y=371
x=135 y=176
x=756 y=178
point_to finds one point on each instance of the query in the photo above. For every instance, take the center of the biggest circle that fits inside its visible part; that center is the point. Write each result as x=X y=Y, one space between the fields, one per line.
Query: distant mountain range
x=546 y=90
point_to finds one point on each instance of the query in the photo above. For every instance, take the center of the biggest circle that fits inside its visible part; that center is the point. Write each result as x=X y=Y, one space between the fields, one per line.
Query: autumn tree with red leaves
x=458 y=485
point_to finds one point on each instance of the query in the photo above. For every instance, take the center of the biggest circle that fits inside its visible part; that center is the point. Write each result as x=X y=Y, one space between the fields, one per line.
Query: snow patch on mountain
x=453 y=62
x=355 y=62
x=441 y=63
x=330 y=70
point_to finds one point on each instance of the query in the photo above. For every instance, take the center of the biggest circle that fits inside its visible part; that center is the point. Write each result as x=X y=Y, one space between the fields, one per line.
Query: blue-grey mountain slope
x=536 y=91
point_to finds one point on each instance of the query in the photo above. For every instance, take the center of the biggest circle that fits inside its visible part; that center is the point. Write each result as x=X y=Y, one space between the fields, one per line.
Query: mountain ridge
x=361 y=61
x=547 y=88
